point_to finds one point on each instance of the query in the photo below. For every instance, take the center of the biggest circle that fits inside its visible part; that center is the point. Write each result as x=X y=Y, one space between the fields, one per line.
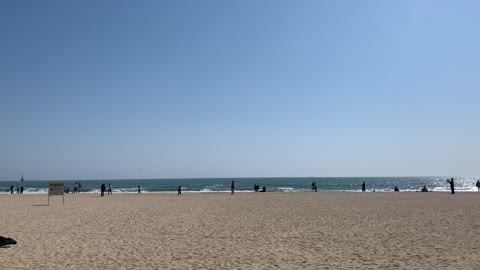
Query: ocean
x=286 y=184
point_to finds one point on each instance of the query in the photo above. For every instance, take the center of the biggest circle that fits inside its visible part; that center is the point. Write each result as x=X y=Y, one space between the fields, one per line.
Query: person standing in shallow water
x=452 y=185
x=102 y=190
x=232 y=187
x=179 y=191
x=363 y=186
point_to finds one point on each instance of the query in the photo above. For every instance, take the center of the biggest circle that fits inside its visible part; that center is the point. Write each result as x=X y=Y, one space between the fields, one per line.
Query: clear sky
x=247 y=88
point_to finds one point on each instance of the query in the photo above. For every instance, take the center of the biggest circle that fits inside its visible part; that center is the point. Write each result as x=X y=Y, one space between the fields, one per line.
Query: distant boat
x=21 y=180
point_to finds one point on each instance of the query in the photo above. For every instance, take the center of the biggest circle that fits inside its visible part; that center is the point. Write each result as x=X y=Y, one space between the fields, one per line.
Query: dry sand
x=244 y=231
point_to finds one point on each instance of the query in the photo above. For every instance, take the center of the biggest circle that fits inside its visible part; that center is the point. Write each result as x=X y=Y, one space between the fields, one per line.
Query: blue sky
x=150 y=89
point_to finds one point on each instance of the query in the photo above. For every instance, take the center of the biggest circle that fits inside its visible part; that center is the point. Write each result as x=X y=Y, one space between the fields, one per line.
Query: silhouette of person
x=102 y=190
x=21 y=190
x=18 y=189
x=396 y=189
x=315 y=186
x=256 y=187
x=478 y=185
x=139 y=191
x=452 y=185
x=363 y=186
x=179 y=191
x=424 y=189
x=79 y=187
x=109 y=188
x=263 y=189
x=232 y=187
x=11 y=189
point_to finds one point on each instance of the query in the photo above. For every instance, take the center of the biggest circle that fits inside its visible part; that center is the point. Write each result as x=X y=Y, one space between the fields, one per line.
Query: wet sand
x=244 y=231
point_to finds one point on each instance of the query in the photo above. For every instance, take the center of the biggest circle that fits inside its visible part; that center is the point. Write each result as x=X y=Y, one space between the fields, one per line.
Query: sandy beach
x=244 y=231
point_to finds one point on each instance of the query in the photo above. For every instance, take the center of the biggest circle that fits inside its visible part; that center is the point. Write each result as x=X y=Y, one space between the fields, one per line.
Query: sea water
x=282 y=184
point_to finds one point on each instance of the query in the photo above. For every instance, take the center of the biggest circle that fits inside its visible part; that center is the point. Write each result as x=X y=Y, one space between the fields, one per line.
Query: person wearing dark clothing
x=424 y=189
x=102 y=190
x=315 y=186
x=139 y=190
x=363 y=186
x=11 y=189
x=79 y=187
x=21 y=190
x=452 y=185
x=478 y=185
x=18 y=189
x=263 y=189
x=396 y=189
x=232 y=187
x=256 y=187
x=179 y=191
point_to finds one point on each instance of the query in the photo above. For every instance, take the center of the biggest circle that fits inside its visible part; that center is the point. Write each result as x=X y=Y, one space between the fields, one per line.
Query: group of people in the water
x=256 y=188
x=103 y=188
x=19 y=189
x=76 y=188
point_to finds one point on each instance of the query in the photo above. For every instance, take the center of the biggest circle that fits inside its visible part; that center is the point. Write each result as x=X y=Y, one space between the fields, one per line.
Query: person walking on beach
x=179 y=191
x=75 y=188
x=232 y=187
x=79 y=187
x=478 y=185
x=11 y=189
x=363 y=186
x=139 y=191
x=452 y=185
x=109 y=189
x=102 y=190
x=315 y=186
x=18 y=189
x=21 y=189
